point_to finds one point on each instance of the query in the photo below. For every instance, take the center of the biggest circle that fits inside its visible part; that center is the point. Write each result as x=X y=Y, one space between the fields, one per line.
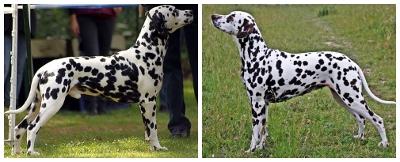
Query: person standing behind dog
x=21 y=53
x=95 y=28
x=179 y=125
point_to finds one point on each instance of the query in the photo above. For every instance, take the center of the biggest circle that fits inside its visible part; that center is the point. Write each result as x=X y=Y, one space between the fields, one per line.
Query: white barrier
x=13 y=77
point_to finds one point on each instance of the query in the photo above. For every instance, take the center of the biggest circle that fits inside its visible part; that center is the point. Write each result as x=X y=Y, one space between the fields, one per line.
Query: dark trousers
x=96 y=36
x=21 y=54
x=173 y=78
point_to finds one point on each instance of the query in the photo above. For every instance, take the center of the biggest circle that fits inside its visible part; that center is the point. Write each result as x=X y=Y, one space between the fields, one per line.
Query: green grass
x=313 y=125
x=119 y=134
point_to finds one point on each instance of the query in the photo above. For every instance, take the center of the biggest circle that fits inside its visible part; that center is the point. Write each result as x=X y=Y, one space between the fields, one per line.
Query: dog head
x=237 y=23
x=166 y=19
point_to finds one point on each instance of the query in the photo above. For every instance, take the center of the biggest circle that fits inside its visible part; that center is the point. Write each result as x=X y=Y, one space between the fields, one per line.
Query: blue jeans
x=161 y=95
x=21 y=53
x=173 y=78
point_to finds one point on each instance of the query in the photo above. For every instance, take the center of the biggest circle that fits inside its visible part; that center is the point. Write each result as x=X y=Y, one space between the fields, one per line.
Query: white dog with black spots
x=271 y=76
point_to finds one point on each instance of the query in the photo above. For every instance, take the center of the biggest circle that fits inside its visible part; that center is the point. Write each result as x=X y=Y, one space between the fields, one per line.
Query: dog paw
x=33 y=153
x=359 y=137
x=383 y=144
x=251 y=150
x=158 y=148
x=162 y=148
x=260 y=147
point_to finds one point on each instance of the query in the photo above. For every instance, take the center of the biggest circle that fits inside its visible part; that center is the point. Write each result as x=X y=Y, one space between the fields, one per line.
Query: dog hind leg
x=20 y=129
x=356 y=103
x=48 y=109
x=363 y=109
x=359 y=118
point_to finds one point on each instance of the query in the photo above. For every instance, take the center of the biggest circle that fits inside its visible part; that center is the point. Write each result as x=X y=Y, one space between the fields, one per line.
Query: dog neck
x=151 y=39
x=251 y=47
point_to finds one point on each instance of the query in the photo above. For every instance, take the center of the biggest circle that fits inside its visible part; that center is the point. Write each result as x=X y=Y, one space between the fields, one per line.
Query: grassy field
x=313 y=125
x=119 y=134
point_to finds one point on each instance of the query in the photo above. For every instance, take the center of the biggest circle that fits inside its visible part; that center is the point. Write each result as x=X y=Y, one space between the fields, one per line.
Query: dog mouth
x=188 y=21
x=217 y=25
x=189 y=17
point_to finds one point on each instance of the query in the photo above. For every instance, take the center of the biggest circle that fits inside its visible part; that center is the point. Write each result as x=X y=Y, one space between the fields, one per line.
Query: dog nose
x=215 y=16
x=189 y=13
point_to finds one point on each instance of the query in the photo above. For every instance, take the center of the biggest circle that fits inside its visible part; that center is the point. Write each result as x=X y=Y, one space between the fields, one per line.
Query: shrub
x=326 y=10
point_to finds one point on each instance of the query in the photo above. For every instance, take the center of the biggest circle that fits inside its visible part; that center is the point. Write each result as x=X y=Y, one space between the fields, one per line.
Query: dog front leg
x=264 y=129
x=259 y=121
x=149 y=120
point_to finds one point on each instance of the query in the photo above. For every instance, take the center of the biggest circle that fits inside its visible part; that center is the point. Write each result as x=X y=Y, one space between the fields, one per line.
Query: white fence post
x=13 y=77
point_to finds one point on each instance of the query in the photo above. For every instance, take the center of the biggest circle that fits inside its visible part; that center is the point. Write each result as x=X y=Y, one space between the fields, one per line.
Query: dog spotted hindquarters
x=271 y=76
x=130 y=76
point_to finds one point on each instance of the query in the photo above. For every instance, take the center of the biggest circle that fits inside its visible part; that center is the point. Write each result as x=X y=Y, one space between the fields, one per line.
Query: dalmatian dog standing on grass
x=272 y=76
x=130 y=76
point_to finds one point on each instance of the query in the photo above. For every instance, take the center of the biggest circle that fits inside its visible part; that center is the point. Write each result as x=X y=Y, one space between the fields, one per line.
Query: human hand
x=74 y=25
x=117 y=10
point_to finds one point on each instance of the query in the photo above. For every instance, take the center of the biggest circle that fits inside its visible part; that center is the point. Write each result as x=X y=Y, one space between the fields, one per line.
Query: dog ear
x=162 y=30
x=158 y=24
x=245 y=29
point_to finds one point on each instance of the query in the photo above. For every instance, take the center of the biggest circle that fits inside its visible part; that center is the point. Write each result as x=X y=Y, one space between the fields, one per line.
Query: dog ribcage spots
x=339 y=75
x=317 y=66
x=279 y=67
x=345 y=81
x=87 y=69
x=66 y=82
x=298 y=71
x=321 y=61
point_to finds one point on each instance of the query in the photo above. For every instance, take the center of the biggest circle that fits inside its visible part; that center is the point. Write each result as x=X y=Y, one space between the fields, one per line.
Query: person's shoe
x=103 y=110
x=91 y=112
x=181 y=134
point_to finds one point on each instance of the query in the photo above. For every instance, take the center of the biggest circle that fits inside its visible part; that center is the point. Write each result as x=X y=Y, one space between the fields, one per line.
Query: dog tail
x=365 y=85
x=31 y=97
